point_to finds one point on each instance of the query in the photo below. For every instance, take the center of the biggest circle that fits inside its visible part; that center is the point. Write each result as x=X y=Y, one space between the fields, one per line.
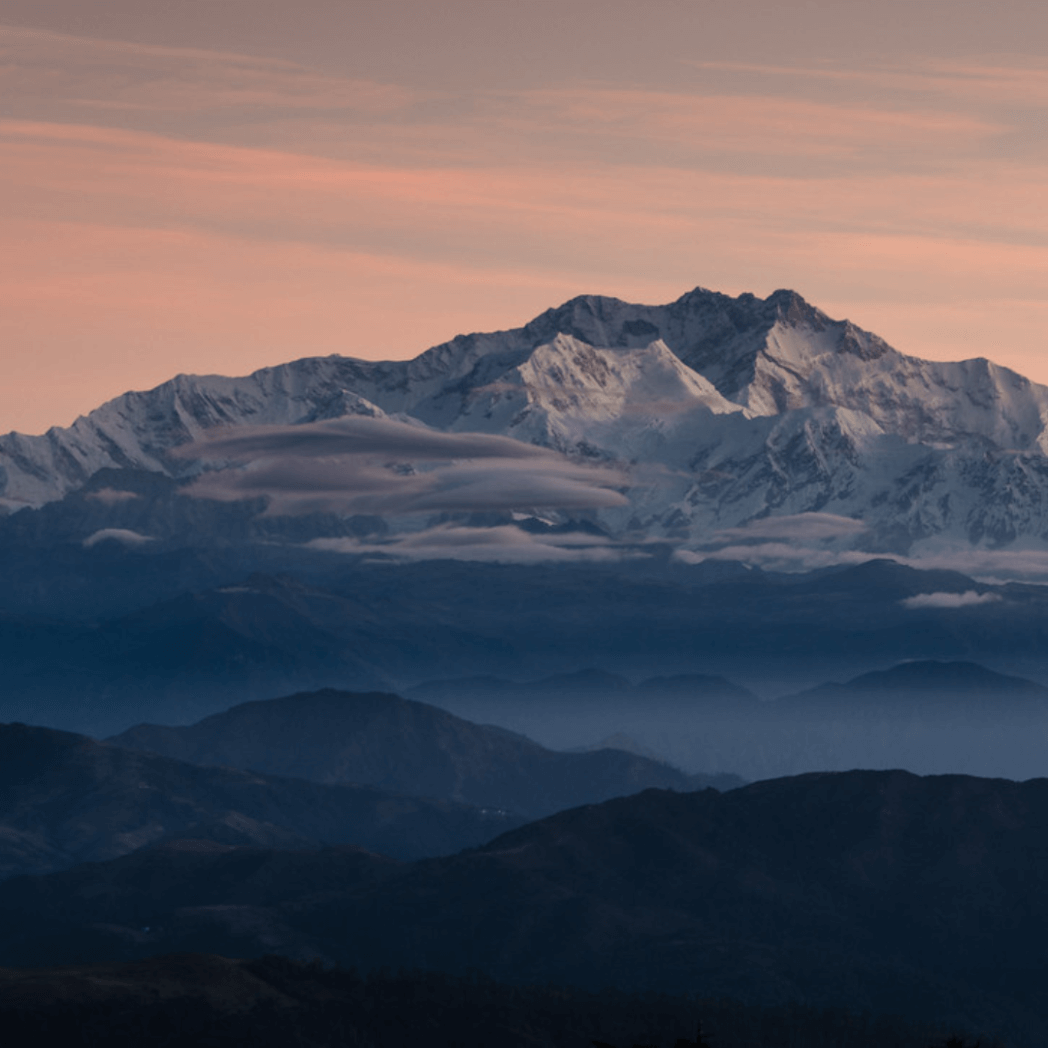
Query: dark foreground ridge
x=196 y=999
x=876 y=891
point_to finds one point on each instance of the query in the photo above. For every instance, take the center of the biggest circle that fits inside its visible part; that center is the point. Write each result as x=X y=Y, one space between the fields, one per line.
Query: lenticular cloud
x=365 y=466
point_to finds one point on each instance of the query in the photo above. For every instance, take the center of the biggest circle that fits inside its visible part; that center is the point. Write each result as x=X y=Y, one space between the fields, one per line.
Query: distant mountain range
x=551 y=653
x=96 y=641
x=882 y=891
x=674 y=423
x=927 y=716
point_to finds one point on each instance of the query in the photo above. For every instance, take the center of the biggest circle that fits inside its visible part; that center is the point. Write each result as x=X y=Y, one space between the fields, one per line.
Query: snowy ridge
x=727 y=409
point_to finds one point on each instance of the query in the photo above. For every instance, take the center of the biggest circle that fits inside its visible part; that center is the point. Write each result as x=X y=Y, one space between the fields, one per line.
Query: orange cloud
x=127 y=255
x=759 y=123
x=1022 y=85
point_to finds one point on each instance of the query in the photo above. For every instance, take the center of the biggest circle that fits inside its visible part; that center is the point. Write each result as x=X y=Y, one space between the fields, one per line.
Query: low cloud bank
x=950 y=600
x=778 y=556
x=993 y=567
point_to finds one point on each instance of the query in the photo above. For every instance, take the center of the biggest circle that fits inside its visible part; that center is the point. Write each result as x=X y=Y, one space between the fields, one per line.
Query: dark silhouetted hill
x=67 y=799
x=385 y=741
x=876 y=891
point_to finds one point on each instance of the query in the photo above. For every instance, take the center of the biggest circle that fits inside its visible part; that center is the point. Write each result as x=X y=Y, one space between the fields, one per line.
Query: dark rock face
x=875 y=890
x=66 y=799
x=386 y=741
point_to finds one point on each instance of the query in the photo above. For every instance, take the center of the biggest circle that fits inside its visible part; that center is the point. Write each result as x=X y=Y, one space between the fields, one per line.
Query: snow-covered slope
x=726 y=409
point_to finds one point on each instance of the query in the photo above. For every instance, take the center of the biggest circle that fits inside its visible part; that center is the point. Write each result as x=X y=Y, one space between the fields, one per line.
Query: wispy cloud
x=501 y=544
x=802 y=527
x=40 y=67
x=1020 y=84
x=768 y=124
x=302 y=211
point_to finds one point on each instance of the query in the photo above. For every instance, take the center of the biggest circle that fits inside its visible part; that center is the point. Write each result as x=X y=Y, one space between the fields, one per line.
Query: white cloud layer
x=993 y=567
x=950 y=600
x=777 y=556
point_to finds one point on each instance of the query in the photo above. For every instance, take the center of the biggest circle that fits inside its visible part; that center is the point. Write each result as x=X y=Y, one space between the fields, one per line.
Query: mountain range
x=685 y=423
x=874 y=891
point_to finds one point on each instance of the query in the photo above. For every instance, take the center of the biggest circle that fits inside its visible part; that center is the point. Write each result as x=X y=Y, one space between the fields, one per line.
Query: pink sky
x=183 y=191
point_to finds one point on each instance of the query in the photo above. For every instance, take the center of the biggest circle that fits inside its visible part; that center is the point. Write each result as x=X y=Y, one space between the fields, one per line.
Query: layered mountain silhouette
x=385 y=741
x=924 y=897
x=926 y=715
x=929 y=716
x=66 y=799
x=695 y=689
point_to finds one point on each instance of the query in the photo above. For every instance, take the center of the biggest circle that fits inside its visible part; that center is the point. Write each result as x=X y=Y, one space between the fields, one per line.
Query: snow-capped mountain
x=721 y=411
